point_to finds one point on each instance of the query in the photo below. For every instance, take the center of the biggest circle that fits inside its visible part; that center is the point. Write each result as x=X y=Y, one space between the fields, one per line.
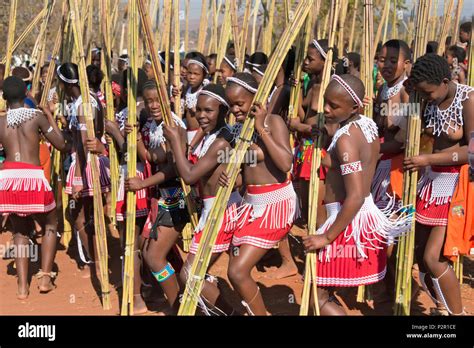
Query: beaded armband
x=350 y=168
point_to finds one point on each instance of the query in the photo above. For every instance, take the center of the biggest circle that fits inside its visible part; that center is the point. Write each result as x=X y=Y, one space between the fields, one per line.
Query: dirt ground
x=76 y=295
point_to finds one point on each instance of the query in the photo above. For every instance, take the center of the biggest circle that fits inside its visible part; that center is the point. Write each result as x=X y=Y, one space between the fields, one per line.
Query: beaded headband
x=242 y=83
x=258 y=71
x=215 y=96
x=320 y=49
x=232 y=65
x=349 y=89
x=64 y=78
x=197 y=62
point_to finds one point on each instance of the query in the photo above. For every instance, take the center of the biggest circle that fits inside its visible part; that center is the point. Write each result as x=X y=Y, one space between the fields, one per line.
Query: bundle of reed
x=10 y=41
x=445 y=27
x=456 y=21
x=324 y=27
x=106 y=62
x=211 y=47
x=224 y=39
x=244 y=34
x=310 y=281
x=176 y=63
x=186 y=26
x=433 y=21
x=367 y=65
x=99 y=223
x=203 y=255
x=202 y=27
x=39 y=58
x=267 y=41
x=383 y=21
x=394 y=21
x=301 y=47
x=167 y=38
x=128 y=272
x=256 y=7
x=341 y=25
x=354 y=16
x=164 y=100
x=235 y=31
x=384 y=39
x=88 y=32
x=286 y=10
x=406 y=244
x=26 y=32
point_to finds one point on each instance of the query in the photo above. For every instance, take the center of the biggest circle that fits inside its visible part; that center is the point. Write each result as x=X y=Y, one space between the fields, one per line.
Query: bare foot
x=139 y=306
x=22 y=292
x=45 y=284
x=284 y=271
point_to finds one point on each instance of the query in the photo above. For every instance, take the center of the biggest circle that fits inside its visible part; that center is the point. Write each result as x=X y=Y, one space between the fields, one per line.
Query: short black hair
x=212 y=56
x=142 y=78
x=432 y=47
x=14 y=89
x=202 y=59
x=457 y=52
x=401 y=46
x=354 y=57
x=466 y=27
x=94 y=76
x=258 y=58
x=430 y=68
x=150 y=84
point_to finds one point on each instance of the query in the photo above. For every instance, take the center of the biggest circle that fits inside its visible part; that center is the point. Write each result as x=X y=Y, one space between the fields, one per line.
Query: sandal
x=52 y=276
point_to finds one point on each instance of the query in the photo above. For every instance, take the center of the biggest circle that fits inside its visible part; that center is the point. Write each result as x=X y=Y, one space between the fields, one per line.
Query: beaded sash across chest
x=15 y=117
x=442 y=121
x=365 y=124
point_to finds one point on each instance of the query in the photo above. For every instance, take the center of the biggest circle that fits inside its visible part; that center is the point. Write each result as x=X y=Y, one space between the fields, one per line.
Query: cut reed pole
x=39 y=59
x=310 y=281
x=267 y=42
x=106 y=63
x=203 y=26
x=325 y=26
x=164 y=99
x=383 y=21
x=26 y=32
x=367 y=65
x=394 y=30
x=406 y=245
x=354 y=17
x=211 y=47
x=235 y=30
x=224 y=39
x=244 y=37
x=99 y=223
x=10 y=42
x=202 y=259
x=176 y=58
x=384 y=39
x=132 y=77
x=341 y=25
x=256 y=7
x=167 y=37
x=457 y=18
x=445 y=28
x=186 y=26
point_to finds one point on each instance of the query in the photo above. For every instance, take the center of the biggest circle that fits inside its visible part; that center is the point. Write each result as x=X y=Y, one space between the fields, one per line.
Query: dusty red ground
x=78 y=296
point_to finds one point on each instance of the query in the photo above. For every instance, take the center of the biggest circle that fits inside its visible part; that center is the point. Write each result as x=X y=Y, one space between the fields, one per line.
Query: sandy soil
x=76 y=295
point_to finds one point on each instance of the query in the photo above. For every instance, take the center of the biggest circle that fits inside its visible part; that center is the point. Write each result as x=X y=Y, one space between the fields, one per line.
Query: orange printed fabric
x=460 y=231
x=45 y=160
x=396 y=175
